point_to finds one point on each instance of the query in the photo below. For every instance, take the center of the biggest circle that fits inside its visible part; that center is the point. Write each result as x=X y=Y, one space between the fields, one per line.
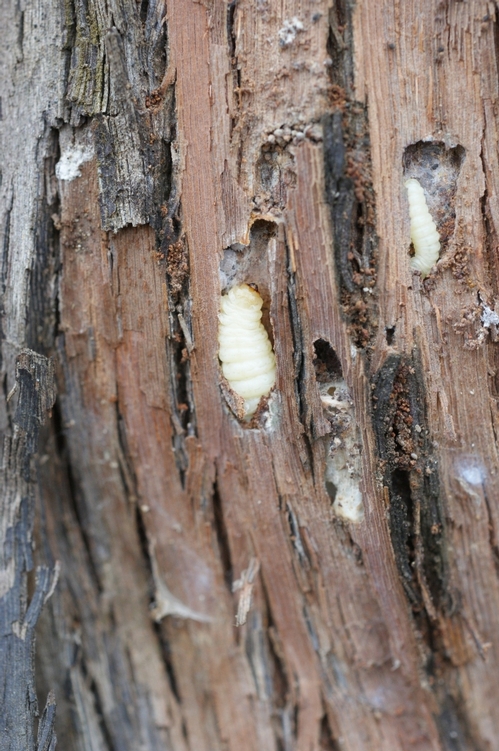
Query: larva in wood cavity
x=248 y=362
x=424 y=235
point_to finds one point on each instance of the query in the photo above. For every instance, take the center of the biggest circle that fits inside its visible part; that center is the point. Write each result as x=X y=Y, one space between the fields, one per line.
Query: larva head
x=414 y=185
x=245 y=296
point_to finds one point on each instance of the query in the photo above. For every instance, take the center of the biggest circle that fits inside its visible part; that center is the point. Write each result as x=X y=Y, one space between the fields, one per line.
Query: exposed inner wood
x=324 y=577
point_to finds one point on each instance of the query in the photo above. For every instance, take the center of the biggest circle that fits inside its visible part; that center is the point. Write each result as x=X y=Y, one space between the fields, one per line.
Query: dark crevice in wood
x=126 y=465
x=18 y=617
x=143 y=11
x=158 y=152
x=417 y=522
x=300 y=377
x=390 y=335
x=166 y=654
x=231 y=34
x=69 y=34
x=295 y=536
x=314 y=639
x=20 y=34
x=174 y=251
x=154 y=50
x=4 y=270
x=74 y=490
x=280 y=697
x=327 y=741
x=6 y=246
x=46 y=739
x=42 y=322
x=185 y=733
x=454 y=728
x=183 y=415
x=416 y=513
x=348 y=182
x=401 y=529
x=340 y=195
x=340 y=45
x=144 y=546
x=492 y=533
x=222 y=535
x=36 y=388
x=107 y=735
x=326 y=362
x=298 y=345
x=350 y=196
x=257 y=652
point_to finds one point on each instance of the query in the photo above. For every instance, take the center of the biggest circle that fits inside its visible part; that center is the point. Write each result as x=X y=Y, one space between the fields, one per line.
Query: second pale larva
x=248 y=362
x=424 y=235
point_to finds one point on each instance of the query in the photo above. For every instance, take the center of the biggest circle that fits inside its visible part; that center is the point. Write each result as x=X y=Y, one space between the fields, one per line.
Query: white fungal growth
x=248 y=362
x=291 y=28
x=68 y=166
x=424 y=235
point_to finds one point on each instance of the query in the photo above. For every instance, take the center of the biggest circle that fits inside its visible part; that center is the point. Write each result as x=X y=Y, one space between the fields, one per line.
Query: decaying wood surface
x=36 y=387
x=325 y=577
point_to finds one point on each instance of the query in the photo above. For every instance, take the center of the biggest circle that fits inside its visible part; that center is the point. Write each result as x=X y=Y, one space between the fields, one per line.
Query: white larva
x=424 y=235
x=248 y=362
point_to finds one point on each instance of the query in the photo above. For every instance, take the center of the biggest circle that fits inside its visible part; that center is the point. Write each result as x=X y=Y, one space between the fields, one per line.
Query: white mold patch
x=489 y=317
x=76 y=149
x=291 y=27
x=471 y=470
x=68 y=166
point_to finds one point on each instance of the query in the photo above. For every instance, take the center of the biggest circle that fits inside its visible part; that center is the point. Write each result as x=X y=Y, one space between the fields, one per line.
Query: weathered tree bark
x=35 y=382
x=325 y=576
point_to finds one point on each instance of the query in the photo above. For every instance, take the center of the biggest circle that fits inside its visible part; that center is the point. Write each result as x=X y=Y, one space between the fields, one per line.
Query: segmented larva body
x=424 y=235
x=248 y=362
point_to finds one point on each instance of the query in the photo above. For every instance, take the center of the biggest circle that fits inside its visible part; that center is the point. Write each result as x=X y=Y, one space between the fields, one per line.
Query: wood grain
x=219 y=143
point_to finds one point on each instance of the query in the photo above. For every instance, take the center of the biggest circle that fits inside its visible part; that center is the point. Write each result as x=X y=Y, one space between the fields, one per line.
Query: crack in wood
x=74 y=492
x=41 y=329
x=222 y=536
x=349 y=193
x=410 y=473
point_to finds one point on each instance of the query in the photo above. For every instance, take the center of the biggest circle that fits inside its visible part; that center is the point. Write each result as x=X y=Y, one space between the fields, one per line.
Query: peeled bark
x=324 y=576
